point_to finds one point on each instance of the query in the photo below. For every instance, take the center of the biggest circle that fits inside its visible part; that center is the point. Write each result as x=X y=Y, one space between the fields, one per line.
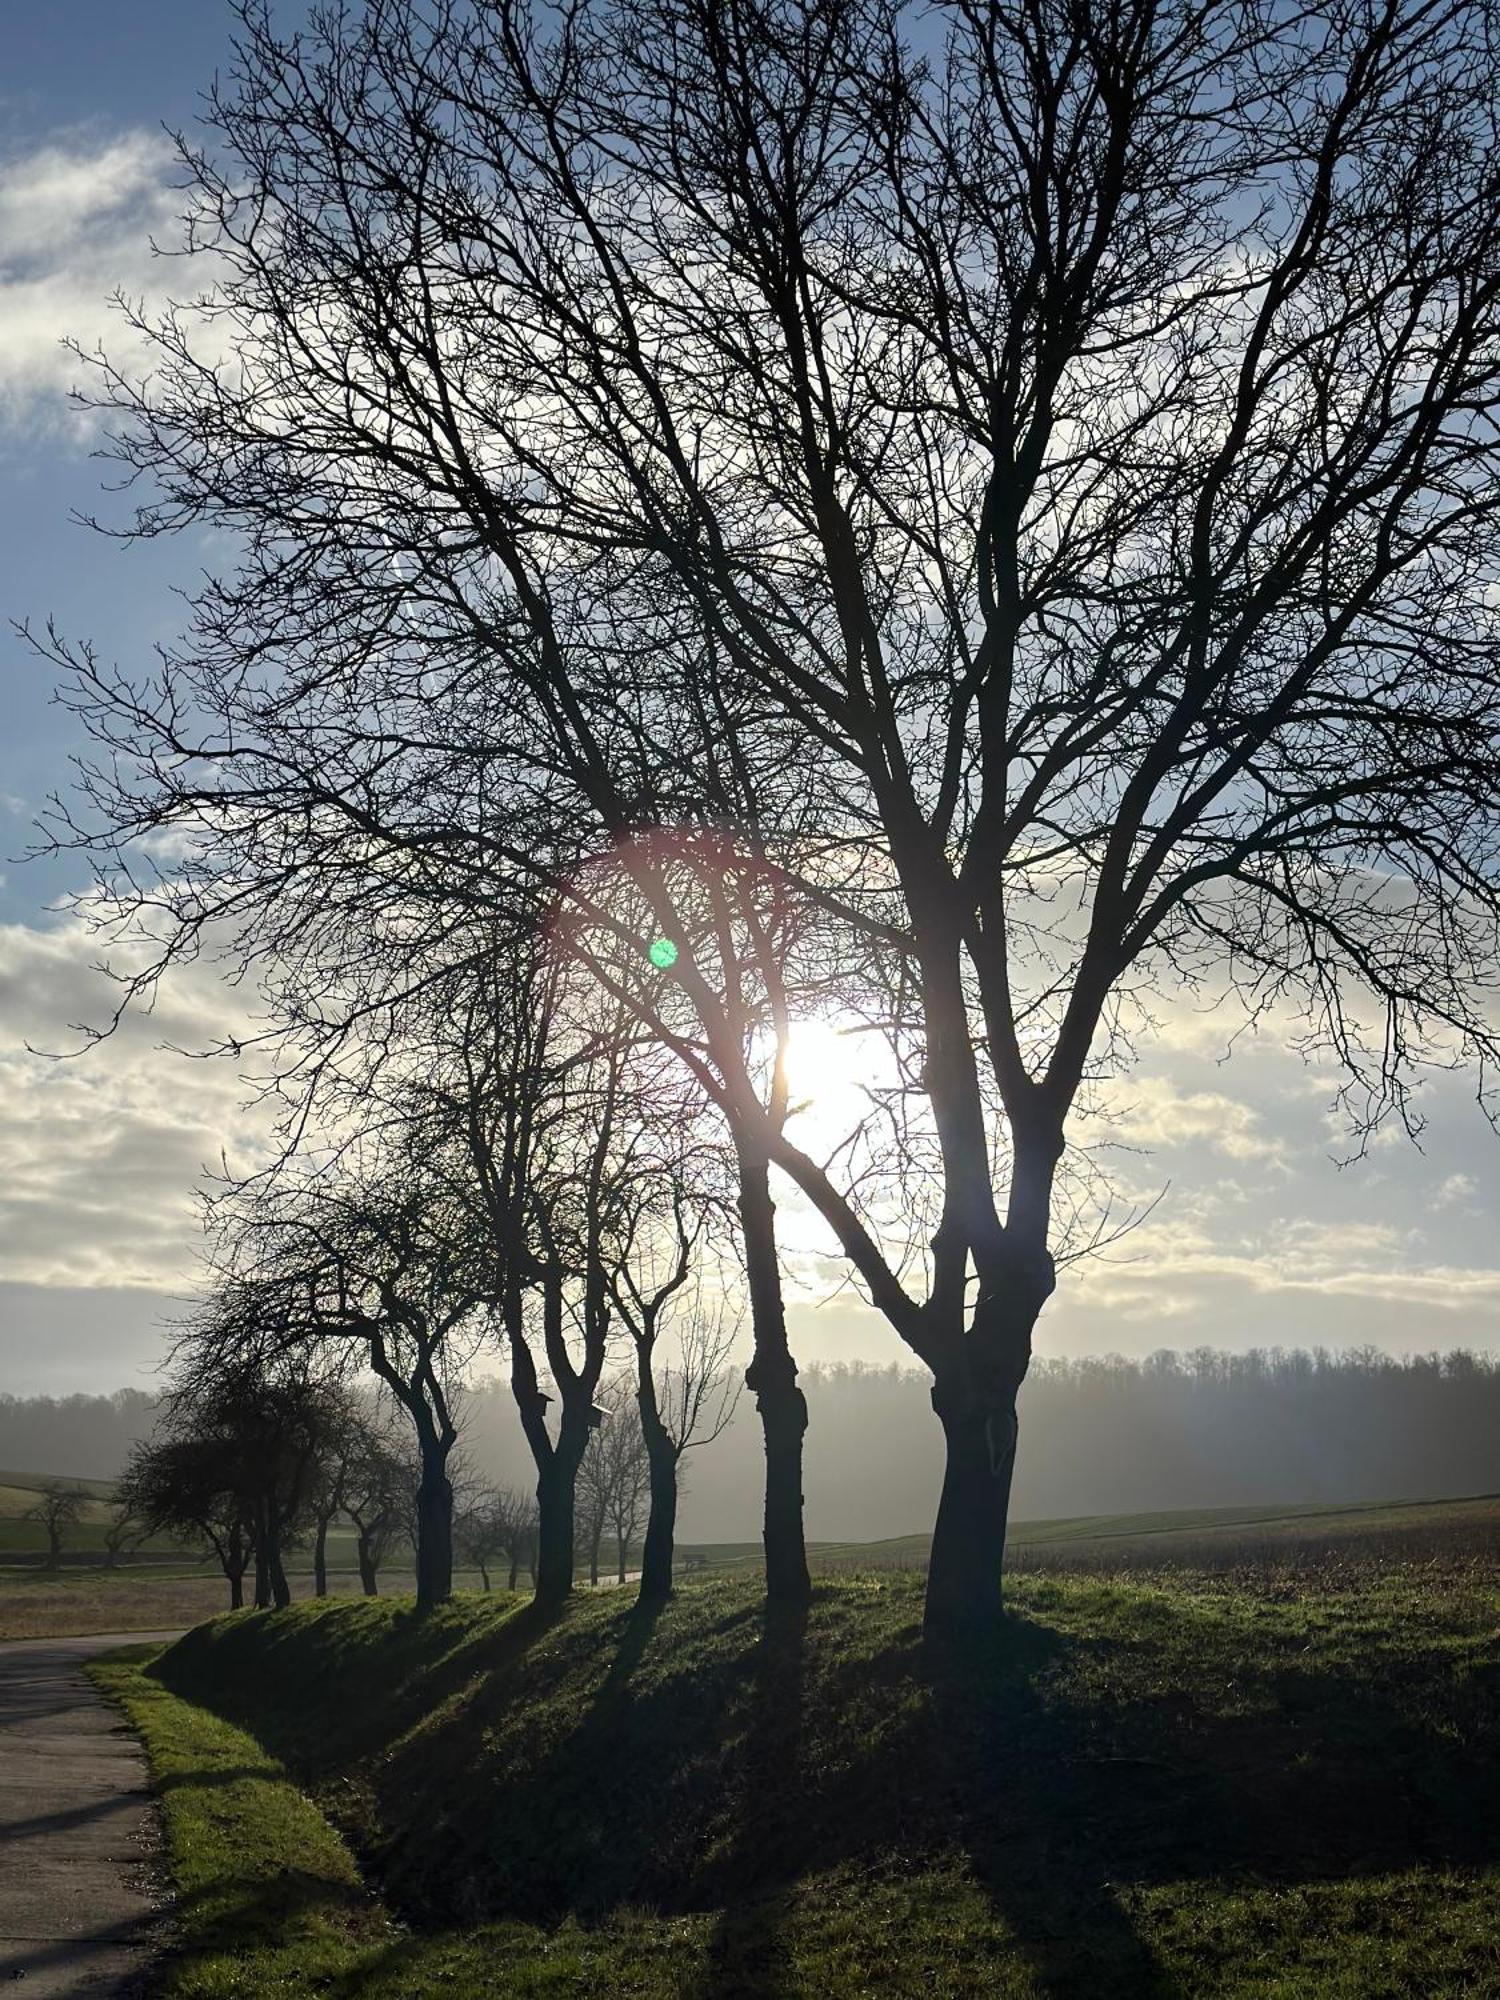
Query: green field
x=20 y=1491
x=1174 y=1785
x=1200 y=1537
x=163 y=1595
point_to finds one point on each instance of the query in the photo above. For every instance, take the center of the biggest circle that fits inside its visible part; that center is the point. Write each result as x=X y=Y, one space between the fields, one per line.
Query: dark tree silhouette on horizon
x=1011 y=488
x=57 y=1508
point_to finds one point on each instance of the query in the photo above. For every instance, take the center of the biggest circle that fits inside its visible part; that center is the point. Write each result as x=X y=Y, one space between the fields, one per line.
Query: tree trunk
x=262 y=1575
x=596 y=1536
x=484 y=1577
x=515 y=1567
x=964 y=1592
x=661 y=1520
x=434 y=1535
x=620 y=1571
x=367 y=1568
x=554 y=1499
x=320 y=1558
x=236 y=1589
x=772 y=1376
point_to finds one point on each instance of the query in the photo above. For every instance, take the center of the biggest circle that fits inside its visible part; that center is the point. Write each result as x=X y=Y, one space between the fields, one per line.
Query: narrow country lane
x=78 y=1831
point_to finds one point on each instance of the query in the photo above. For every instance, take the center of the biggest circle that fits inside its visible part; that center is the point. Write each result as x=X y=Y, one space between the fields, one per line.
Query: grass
x=1194 y=1538
x=1175 y=1784
x=156 y=1598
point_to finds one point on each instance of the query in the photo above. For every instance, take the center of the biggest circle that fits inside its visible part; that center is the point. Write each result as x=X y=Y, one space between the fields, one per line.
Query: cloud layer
x=76 y=221
x=100 y=1152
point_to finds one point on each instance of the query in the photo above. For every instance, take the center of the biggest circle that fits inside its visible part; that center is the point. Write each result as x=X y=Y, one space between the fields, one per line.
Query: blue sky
x=80 y=77
x=1259 y=1238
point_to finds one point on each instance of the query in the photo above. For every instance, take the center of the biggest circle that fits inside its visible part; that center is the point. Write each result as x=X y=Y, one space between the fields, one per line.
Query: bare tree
x=1023 y=483
x=269 y=1418
x=480 y=1531
x=628 y=1486
x=613 y=1478
x=515 y=1517
x=122 y=1531
x=371 y=1263
x=57 y=1509
x=185 y=1484
x=656 y=1282
x=378 y=1492
x=534 y=1109
x=591 y=1503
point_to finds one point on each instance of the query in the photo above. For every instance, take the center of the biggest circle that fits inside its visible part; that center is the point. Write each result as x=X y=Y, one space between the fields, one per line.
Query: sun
x=829 y=1065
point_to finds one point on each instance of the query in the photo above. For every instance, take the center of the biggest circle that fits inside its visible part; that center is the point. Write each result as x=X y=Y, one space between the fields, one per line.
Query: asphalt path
x=80 y=1844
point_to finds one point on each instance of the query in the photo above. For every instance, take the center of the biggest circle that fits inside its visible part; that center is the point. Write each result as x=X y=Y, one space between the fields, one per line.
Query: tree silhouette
x=1015 y=484
x=58 y=1508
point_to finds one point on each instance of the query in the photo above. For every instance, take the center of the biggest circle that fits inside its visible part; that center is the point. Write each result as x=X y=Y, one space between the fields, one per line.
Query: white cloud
x=100 y=1153
x=1457 y=1191
x=1157 y=1113
x=76 y=218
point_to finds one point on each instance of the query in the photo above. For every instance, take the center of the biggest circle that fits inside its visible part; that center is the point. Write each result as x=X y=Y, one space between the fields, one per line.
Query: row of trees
x=963 y=523
x=253 y=1464
x=59 y=1508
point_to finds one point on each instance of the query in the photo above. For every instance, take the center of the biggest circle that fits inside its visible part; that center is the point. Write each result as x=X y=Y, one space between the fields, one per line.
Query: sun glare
x=827 y=1069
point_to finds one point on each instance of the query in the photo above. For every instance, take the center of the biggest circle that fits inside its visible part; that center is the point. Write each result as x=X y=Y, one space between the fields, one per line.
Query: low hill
x=21 y=1490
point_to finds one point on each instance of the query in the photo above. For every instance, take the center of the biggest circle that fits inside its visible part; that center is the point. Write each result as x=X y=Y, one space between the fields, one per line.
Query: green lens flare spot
x=663 y=953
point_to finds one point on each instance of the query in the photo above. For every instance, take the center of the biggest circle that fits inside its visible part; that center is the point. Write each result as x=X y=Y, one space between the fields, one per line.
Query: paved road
x=78 y=1829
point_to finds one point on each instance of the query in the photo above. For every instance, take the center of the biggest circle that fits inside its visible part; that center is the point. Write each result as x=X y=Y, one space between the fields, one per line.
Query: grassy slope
x=1195 y=1531
x=1184 y=1786
x=18 y=1490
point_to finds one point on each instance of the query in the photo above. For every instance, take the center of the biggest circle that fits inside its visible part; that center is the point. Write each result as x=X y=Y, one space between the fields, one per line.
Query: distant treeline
x=1103 y=1436
x=1107 y=1436
x=78 y=1437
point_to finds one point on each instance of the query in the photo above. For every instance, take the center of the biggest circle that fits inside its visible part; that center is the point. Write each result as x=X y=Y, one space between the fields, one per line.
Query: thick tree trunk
x=596 y=1536
x=620 y=1570
x=662 y=1456
x=555 y=1532
x=368 y=1578
x=434 y=1536
x=661 y=1520
x=236 y=1589
x=515 y=1569
x=484 y=1577
x=320 y=1559
x=772 y=1377
x=262 y=1575
x=964 y=1592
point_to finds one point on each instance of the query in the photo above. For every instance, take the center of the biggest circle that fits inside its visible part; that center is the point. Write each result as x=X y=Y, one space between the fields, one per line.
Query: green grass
x=19 y=1490
x=156 y=1597
x=1196 y=1536
x=1181 y=1785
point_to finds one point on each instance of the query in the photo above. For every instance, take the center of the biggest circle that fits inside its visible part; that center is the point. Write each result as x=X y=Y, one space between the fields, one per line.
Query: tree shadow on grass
x=748 y=1953
x=716 y=1761
x=313 y=1692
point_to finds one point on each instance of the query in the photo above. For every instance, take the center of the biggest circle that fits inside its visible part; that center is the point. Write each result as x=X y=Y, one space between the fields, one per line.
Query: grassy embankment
x=1172 y=1785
